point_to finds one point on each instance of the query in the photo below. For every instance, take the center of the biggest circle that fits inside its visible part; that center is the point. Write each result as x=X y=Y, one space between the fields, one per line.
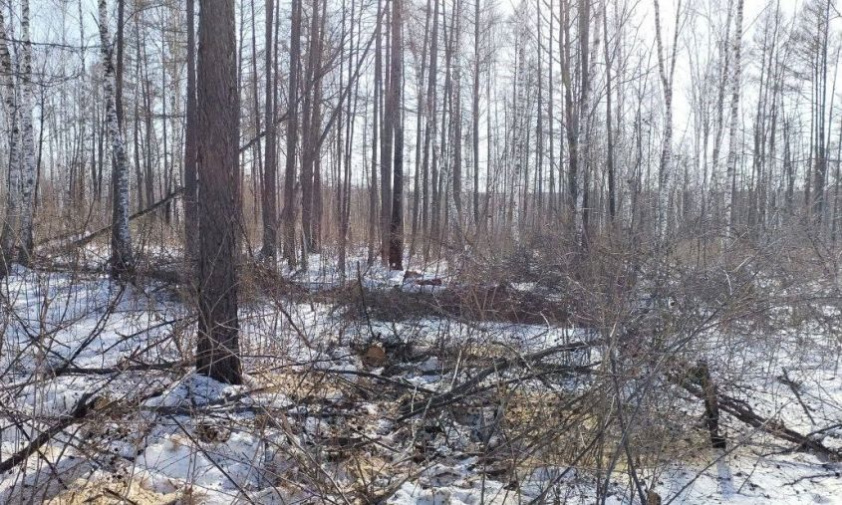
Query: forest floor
x=343 y=405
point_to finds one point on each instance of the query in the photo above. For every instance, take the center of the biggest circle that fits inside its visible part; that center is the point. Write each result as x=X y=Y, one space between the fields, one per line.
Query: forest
x=420 y=252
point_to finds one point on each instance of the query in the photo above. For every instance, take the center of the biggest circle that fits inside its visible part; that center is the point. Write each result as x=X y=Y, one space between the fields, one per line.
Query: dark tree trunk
x=217 y=355
x=386 y=137
x=396 y=226
x=612 y=199
x=191 y=216
x=292 y=136
x=269 y=194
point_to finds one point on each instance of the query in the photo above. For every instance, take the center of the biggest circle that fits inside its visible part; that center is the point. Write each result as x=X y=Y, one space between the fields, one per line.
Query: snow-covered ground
x=326 y=413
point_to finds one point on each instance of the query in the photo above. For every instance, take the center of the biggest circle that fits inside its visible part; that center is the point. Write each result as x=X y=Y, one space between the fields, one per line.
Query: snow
x=313 y=419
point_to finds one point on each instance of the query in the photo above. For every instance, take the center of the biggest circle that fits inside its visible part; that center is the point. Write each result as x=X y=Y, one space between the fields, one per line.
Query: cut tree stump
x=702 y=372
x=743 y=412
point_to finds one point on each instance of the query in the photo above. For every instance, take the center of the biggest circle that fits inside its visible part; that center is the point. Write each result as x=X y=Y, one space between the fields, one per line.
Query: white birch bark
x=11 y=218
x=731 y=169
x=715 y=183
x=122 y=260
x=28 y=169
x=86 y=149
x=666 y=70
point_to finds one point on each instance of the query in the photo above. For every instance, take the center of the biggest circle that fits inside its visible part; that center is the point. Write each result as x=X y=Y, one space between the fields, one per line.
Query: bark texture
x=122 y=258
x=217 y=355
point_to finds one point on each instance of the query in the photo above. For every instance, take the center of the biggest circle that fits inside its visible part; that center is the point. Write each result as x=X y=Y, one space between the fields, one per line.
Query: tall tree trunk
x=475 y=112
x=149 y=130
x=191 y=216
x=9 y=236
x=396 y=97
x=27 y=143
x=311 y=127
x=666 y=68
x=118 y=90
x=122 y=258
x=731 y=169
x=538 y=212
x=820 y=108
x=386 y=137
x=456 y=120
x=318 y=204
x=419 y=128
x=571 y=116
x=429 y=175
x=289 y=213
x=138 y=152
x=612 y=198
x=269 y=195
x=217 y=354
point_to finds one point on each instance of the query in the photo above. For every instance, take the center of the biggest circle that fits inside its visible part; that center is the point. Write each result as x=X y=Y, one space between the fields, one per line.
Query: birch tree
x=731 y=168
x=26 y=247
x=666 y=70
x=9 y=236
x=122 y=258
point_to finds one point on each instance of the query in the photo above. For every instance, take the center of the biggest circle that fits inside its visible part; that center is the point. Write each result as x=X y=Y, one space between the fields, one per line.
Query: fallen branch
x=123 y=367
x=88 y=238
x=498 y=365
x=80 y=410
x=815 y=476
x=794 y=388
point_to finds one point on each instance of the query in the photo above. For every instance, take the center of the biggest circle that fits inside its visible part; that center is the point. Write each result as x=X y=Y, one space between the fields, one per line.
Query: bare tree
x=430 y=210
x=27 y=142
x=217 y=354
x=731 y=168
x=396 y=122
x=122 y=258
x=9 y=237
x=666 y=70
x=386 y=131
x=289 y=212
x=609 y=134
x=269 y=193
x=191 y=180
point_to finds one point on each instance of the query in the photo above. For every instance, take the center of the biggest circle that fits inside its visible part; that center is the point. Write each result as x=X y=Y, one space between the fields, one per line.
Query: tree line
x=410 y=131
